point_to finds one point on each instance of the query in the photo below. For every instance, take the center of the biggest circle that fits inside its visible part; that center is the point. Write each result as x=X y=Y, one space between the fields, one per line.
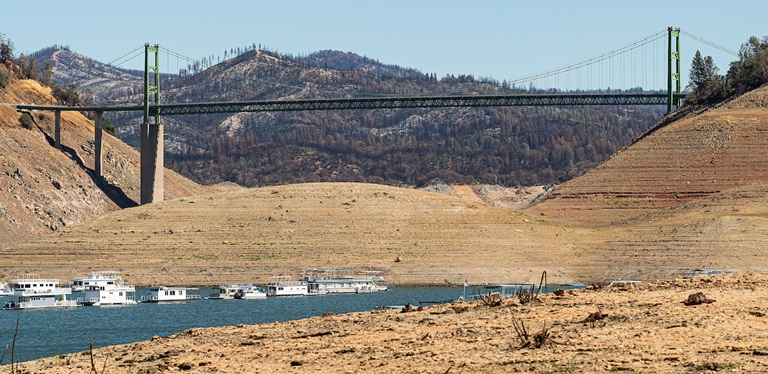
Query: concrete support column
x=97 y=142
x=57 y=129
x=152 y=163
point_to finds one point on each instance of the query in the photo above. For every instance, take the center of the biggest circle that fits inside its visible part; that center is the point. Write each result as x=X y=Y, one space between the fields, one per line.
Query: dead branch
x=13 y=347
x=492 y=299
x=90 y=353
x=536 y=341
x=527 y=296
x=542 y=282
x=522 y=333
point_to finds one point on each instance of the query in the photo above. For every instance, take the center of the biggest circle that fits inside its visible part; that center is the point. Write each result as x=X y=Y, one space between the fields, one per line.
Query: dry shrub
x=536 y=341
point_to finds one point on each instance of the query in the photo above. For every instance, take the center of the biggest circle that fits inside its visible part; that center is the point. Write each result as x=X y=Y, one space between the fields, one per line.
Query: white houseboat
x=251 y=293
x=225 y=292
x=283 y=285
x=5 y=289
x=33 y=292
x=78 y=284
x=163 y=294
x=343 y=281
x=107 y=288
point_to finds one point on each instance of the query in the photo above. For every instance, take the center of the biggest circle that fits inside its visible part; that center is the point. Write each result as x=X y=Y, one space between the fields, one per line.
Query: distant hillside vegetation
x=507 y=146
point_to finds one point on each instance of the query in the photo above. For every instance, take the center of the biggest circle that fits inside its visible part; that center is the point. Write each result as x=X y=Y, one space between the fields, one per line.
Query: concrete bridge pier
x=97 y=139
x=152 y=162
x=57 y=129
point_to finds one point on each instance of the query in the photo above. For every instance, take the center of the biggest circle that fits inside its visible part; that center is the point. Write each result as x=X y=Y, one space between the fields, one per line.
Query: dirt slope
x=717 y=150
x=43 y=188
x=248 y=235
x=726 y=230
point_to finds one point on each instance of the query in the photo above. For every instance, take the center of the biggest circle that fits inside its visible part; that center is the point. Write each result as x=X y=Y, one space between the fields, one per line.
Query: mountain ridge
x=507 y=146
x=687 y=195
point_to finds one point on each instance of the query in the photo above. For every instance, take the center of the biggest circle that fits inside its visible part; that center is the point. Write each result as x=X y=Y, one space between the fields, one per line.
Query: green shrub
x=26 y=121
x=108 y=126
x=4 y=78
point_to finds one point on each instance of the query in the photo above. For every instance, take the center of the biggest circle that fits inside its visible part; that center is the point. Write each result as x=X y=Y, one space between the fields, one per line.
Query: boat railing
x=48 y=291
x=66 y=302
x=193 y=297
x=286 y=283
x=22 y=304
x=624 y=283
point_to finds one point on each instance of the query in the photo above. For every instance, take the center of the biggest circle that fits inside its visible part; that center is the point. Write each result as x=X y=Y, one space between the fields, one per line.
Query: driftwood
x=697 y=299
x=409 y=308
x=314 y=335
x=594 y=317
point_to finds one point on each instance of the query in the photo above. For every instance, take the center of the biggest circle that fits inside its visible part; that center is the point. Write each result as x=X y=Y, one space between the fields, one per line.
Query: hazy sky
x=502 y=39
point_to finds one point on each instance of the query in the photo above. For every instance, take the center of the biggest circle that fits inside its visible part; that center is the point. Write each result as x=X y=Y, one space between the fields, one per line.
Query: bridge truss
x=380 y=103
x=413 y=102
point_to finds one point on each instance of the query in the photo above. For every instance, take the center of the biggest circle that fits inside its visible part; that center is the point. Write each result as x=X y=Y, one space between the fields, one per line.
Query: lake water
x=44 y=333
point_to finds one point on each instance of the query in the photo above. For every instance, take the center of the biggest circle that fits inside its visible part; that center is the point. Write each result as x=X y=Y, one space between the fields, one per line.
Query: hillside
x=619 y=221
x=43 y=189
x=702 y=154
x=249 y=235
x=506 y=146
x=97 y=77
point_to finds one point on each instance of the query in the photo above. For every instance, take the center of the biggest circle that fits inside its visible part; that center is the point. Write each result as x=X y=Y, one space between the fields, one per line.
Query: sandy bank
x=643 y=328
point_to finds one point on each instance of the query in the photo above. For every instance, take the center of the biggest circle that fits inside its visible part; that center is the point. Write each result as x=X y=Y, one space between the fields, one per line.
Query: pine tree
x=703 y=71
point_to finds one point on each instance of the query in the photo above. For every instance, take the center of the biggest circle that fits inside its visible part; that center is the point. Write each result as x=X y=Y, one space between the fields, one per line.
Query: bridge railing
x=382 y=103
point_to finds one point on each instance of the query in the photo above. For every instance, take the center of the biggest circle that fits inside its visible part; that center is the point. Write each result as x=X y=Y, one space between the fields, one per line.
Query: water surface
x=44 y=333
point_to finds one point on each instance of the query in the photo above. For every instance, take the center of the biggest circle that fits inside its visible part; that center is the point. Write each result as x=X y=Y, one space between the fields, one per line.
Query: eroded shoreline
x=643 y=328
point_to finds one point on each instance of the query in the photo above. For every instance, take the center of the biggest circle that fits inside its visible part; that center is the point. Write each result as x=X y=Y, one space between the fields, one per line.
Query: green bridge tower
x=151 y=136
x=673 y=59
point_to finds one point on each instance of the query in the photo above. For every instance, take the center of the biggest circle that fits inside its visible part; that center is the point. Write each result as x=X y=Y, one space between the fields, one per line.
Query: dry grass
x=248 y=235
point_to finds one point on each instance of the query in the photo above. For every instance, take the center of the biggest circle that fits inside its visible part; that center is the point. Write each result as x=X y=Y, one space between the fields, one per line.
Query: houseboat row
x=108 y=288
x=99 y=289
x=322 y=282
x=238 y=291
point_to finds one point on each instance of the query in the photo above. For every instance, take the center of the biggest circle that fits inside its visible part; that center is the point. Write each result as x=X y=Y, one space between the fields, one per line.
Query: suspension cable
x=711 y=44
x=117 y=63
x=593 y=60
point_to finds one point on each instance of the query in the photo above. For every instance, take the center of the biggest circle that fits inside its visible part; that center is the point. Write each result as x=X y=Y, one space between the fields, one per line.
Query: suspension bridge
x=152 y=136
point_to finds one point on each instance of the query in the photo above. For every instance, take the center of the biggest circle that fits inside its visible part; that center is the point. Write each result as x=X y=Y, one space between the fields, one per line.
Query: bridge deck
x=379 y=103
